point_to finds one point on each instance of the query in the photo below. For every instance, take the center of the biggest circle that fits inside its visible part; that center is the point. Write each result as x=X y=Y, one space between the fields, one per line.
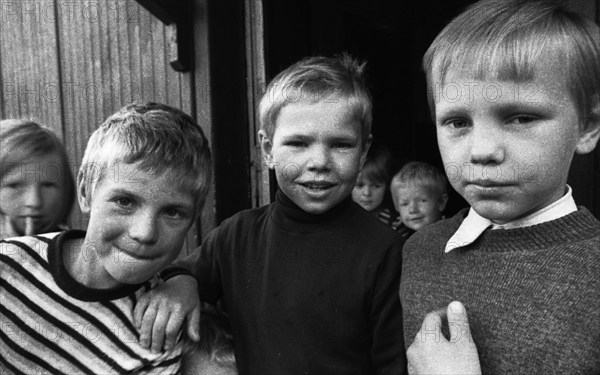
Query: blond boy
x=515 y=92
x=68 y=298
x=419 y=191
x=310 y=281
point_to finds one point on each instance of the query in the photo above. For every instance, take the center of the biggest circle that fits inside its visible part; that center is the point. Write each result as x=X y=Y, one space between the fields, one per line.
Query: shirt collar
x=474 y=224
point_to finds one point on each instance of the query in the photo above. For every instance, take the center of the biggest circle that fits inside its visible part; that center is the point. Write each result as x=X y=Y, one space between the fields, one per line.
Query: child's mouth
x=317 y=185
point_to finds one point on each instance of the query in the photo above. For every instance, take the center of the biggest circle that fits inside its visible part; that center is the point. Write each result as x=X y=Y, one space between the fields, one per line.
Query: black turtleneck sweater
x=306 y=294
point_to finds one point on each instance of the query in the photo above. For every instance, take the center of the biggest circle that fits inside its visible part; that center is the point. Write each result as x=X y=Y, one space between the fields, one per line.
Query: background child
x=68 y=298
x=527 y=85
x=420 y=194
x=310 y=281
x=214 y=354
x=37 y=190
x=371 y=190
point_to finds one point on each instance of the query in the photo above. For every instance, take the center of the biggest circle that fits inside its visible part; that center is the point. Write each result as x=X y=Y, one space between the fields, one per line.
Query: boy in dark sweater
x=515 y=92
x=310 y=282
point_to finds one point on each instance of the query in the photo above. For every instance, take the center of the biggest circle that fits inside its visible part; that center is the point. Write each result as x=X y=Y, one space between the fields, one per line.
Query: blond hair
x=316 y=79
x=156 y=136
x=505 y=39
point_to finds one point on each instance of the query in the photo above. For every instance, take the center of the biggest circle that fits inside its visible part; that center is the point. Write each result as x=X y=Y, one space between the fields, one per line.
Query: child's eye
x=342 y=145
x=124 y=202
x=174 y=213
x=457 y=123
x=295 y=143
x=13 y=185
x=522 y=119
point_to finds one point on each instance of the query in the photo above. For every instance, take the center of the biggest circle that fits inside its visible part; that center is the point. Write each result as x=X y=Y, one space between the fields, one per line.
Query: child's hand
x=431 y=353
x=159 y=314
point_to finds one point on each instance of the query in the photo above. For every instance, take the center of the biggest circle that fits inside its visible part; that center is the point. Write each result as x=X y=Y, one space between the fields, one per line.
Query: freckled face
x=138 y=223
x=507 y=146
x=317 y=152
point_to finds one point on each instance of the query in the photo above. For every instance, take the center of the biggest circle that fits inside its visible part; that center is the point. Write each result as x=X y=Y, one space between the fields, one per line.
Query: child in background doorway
x=214 y=354
x=420 y=194
x=37 y=190
x=371 y=191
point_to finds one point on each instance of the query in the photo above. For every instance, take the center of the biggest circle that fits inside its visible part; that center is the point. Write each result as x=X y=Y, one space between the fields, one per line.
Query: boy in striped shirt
x=68 y=298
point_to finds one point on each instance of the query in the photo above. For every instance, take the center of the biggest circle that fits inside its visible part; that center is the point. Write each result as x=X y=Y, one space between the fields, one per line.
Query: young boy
x=515 y=92
x=420 y=193
x=310 y=281
x=68 y=298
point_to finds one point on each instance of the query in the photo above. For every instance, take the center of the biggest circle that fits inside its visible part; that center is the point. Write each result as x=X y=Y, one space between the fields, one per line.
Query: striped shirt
x=50 y=324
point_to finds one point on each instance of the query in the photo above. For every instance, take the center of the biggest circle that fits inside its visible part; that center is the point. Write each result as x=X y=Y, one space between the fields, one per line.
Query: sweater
x=532 y=294
x=306 y=294
x=50 y=323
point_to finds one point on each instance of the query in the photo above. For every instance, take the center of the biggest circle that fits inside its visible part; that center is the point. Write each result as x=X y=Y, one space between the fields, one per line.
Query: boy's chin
x=498 y=213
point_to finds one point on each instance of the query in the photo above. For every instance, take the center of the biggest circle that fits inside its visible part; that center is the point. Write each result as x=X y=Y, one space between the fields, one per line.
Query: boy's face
x=367 y=193
x=507 y=146
x=316 y=151
x=138 y=223
x=34 y=188
x=418 y=205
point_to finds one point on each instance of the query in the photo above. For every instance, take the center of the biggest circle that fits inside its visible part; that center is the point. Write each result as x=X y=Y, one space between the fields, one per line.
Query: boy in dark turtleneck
x=310 y=282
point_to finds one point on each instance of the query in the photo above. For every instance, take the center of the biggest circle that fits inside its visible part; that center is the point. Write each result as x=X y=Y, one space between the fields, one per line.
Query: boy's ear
x=589 y=137
x=267 y=148
x=363 y=156
x=443 y=202
x=82 y=197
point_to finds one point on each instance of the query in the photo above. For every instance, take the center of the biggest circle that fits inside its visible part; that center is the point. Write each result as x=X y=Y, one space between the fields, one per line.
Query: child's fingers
x=193 y=324
x=140 y=308
x=148 y=325
x=172 y=329
x=458 y=322
x=158 y=330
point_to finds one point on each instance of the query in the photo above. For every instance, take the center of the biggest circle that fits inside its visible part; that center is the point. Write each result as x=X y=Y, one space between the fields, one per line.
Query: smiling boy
x=68 y=298
x=310 y=281
x=515 y=92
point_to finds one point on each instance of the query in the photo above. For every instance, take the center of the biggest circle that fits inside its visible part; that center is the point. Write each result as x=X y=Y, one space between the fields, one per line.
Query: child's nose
x=486 y=145
x=32 y=196
x=320 y=158
x=144 y=228
x=413 y=207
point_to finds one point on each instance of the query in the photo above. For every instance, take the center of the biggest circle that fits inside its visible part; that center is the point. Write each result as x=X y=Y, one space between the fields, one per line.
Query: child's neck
x=83 y=265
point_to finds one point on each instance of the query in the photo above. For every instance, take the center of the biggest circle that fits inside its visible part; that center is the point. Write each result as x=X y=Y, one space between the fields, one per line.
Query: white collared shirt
x=474 y=224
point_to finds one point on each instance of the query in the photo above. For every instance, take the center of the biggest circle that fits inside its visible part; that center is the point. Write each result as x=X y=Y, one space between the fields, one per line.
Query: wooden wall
x=70 y=64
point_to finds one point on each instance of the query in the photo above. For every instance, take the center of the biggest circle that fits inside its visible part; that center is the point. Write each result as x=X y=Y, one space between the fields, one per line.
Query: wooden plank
x=112 y=52
x=29 y=71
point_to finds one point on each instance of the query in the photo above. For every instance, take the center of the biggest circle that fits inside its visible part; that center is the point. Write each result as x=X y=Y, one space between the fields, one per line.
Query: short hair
x=420 y=173
x=316 y=79
x=157 y=136
x=21 y=139
x=505 y=39
x=216 y=341
x=378 y=164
